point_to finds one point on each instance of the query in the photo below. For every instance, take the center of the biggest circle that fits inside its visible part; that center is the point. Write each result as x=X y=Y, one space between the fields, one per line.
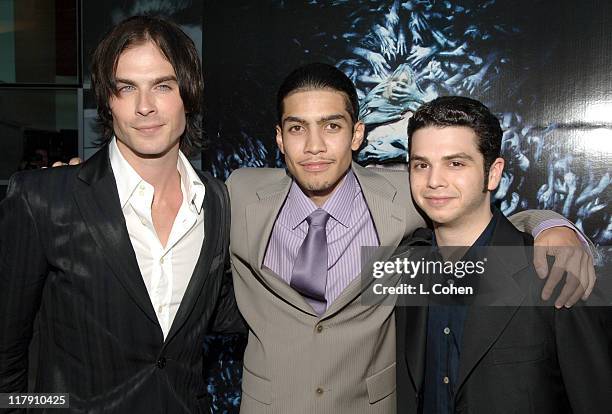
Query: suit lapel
x=389 y=218
x=480 y=333
x=260 y=219
x=411 y=321
x=389 y=221
x=209 y=257
x=412 y=332
x=98 y=202
x=484 y=324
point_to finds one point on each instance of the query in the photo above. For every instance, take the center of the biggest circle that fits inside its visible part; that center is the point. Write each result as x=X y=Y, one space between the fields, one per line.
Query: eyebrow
x=418 y=158
x=459 y=155
x=321 y=120
x=328 y=118
x=161 y=79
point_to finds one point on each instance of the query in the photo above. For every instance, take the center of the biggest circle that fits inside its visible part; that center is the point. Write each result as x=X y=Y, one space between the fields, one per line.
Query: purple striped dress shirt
x=349 y=227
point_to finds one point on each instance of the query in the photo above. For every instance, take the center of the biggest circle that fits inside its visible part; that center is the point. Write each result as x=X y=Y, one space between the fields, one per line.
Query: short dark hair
x=315 y=76
x=460 y=111
x=175 y=45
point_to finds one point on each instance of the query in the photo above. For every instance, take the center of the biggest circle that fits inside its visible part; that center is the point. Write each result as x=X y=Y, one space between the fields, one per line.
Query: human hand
x=419 y=54
x=571 y=257
x=387 y=41
x=379 y=64
x=401 y=44
x=73 y=161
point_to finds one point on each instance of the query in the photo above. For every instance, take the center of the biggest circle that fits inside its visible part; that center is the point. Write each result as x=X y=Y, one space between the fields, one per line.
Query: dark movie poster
x=541 y=66
x=100 y=17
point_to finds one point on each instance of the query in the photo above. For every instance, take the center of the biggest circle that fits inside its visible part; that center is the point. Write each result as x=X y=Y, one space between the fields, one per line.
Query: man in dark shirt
x=457 y=357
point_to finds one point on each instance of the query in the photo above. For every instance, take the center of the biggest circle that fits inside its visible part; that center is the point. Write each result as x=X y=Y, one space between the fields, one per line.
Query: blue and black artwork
x=517 y=57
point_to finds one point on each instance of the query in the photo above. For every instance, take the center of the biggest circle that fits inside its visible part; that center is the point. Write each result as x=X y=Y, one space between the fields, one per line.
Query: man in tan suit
x=296 y=237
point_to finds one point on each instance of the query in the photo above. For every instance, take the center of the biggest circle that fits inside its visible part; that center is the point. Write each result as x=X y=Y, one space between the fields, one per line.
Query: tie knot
x=318 y=217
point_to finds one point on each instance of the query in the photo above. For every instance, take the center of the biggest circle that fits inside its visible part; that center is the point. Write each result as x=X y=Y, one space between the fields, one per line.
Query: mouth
x=149 y=129
x=316 y=166
x=438 y=201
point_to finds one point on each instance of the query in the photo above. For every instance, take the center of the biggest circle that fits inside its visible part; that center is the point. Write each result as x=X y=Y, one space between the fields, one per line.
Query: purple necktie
x=309 y=275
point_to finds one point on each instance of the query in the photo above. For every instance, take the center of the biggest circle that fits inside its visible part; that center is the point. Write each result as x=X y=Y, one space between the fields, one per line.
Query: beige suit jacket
x=296 y=362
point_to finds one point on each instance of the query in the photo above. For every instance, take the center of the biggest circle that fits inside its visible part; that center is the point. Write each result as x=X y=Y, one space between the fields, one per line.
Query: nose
x=145 y=104
x=315 y=143
x=436 y=178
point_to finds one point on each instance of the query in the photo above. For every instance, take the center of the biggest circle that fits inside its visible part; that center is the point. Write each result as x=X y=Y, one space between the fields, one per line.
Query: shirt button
x=143 y=221
x=319 y=328
x=445 y=380
x=141 y=187
x=161 y=261
x=446 y=330
x=160 y=308
x=319 y=391
x=161 y=363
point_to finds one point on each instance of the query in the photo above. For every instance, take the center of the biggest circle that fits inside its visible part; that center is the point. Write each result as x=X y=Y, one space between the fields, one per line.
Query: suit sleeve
x=584 y=347
x=23 y=269
x=227 y=318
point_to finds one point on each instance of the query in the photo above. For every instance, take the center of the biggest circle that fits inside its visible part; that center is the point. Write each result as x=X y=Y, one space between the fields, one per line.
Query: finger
x=539 y=262
x=555 y=275
x=553 y=280
x=578 y=293
x=58 y=164
x=575 y=273
x=572 y=285
x=592 y=278
x=575 y=297
x=75 y=161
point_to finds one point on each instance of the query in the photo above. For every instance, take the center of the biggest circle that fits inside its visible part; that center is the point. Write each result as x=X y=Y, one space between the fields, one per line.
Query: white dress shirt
x=166 y=270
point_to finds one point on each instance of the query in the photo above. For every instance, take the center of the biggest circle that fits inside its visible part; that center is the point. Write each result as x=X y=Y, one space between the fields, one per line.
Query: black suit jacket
x=515 y=359
x=66 y=259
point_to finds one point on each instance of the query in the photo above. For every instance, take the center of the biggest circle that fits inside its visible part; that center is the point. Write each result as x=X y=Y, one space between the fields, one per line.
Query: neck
x=465 y=230
x=320 y=197
x=161 y=172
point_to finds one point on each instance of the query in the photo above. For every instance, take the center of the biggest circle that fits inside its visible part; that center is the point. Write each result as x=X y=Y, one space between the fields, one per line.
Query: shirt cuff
x=548 y=224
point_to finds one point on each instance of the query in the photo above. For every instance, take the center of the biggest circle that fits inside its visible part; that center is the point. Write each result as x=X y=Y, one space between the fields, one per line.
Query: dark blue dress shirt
x=444 y=334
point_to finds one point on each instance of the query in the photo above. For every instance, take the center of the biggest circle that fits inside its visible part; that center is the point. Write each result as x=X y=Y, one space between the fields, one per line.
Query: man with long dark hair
x=121 y=259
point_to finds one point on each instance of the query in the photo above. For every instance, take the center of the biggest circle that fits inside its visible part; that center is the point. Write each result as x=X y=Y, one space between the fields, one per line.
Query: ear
x=358 y=135
x=279 y=139
x=495 y=173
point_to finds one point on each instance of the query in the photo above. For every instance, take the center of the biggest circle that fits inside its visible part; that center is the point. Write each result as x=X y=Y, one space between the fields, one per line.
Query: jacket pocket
x=256 y=387
x=517 y=354
x=381 y=384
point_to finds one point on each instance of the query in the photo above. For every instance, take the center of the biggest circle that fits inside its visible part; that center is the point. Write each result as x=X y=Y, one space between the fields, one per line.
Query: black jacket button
x=161 y=362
